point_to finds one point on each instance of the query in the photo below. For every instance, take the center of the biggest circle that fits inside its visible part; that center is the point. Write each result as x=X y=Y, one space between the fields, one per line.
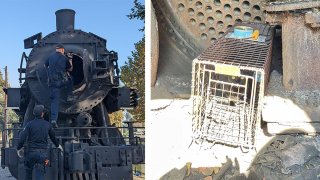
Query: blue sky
x=20 y=19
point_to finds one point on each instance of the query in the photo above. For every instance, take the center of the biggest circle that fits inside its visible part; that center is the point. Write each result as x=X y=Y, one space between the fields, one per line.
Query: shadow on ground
x=283 y=157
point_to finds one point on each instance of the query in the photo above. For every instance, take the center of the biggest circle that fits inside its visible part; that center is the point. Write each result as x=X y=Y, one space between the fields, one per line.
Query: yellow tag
x=227 y=70
x=255 y=34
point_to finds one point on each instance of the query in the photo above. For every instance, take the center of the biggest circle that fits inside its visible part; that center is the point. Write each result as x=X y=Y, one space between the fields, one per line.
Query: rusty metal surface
x=300 y=55
x=295 y=5
x=300 y=42
x=207 y=20
x=312 y=19
x=175 y=56
x=174 y=69
x=185 y=29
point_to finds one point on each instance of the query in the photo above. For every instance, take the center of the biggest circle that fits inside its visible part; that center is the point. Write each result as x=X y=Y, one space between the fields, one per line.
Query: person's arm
x=53 y=136
x=23 y=137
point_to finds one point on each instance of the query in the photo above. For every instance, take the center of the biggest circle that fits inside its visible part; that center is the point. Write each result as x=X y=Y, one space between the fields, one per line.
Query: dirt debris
x=289 y=157
x=225 y=171
x=163 y=107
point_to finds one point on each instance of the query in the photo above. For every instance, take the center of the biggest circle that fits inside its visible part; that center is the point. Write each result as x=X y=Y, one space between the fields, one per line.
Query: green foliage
x=137 y=12
x=2 y=82
x=12 y=117
x=132 y=74
x=116 y=118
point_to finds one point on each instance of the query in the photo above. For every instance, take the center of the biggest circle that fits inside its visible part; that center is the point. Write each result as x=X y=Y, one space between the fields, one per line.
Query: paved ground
x=5 y=174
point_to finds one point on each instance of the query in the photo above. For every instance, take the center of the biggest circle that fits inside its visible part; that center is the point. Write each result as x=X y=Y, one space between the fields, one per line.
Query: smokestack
x=65 y=19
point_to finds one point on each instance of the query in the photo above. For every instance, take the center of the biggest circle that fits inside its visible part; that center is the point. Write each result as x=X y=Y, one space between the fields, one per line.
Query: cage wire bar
x=228 y=82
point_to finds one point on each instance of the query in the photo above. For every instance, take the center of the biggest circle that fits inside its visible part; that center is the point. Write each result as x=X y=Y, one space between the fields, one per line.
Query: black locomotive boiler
x=93 y=148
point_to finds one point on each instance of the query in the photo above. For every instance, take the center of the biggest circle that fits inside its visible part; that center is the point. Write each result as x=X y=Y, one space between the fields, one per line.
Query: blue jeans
x=33 y=158
x=55 y=98
x=55 y=89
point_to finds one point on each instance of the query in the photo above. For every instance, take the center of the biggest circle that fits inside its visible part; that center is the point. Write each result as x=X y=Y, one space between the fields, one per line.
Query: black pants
x=32 y=158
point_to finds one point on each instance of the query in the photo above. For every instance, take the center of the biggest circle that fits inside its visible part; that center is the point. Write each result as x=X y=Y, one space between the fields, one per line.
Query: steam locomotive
x=93 y=148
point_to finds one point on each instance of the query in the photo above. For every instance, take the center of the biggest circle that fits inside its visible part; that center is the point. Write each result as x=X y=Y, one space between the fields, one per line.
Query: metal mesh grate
x=237 y=52
x=241 y=52
x=228 y=82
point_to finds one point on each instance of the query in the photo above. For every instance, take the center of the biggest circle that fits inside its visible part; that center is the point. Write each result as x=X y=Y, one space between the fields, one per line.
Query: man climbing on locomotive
x=36 y=134
x=59 y=68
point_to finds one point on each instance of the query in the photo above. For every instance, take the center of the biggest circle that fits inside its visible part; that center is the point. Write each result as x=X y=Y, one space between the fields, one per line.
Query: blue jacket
x=58 y=65
x=36 y=134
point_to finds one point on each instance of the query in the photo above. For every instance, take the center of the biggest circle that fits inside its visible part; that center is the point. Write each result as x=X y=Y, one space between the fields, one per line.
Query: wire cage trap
x=228 y=82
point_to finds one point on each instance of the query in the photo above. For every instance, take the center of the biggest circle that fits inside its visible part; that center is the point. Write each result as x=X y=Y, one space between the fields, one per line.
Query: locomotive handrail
x=66 y=128
x=22 y=70
x=136 y=138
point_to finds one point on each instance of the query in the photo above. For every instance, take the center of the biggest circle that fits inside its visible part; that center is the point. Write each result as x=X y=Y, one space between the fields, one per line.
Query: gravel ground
x=5 y=174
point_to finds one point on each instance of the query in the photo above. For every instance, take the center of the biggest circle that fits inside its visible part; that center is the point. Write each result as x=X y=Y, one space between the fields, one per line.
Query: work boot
x=54 y=124
x=71 y=98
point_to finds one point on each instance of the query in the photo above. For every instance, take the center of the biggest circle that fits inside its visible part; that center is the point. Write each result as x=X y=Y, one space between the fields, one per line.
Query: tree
x=137 y=12
x=116 y=118
x=12 y=117
x=132 y=74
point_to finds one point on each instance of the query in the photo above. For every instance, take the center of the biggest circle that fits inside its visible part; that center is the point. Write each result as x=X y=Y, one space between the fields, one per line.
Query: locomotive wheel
x=186 y=28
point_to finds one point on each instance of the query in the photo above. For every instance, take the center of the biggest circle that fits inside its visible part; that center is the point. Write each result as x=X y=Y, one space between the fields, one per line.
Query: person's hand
x=20 y=152
x=60 y=148
x=70 y=55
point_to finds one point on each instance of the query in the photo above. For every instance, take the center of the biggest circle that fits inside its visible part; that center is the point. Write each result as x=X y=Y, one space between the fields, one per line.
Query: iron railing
x=130 y=139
